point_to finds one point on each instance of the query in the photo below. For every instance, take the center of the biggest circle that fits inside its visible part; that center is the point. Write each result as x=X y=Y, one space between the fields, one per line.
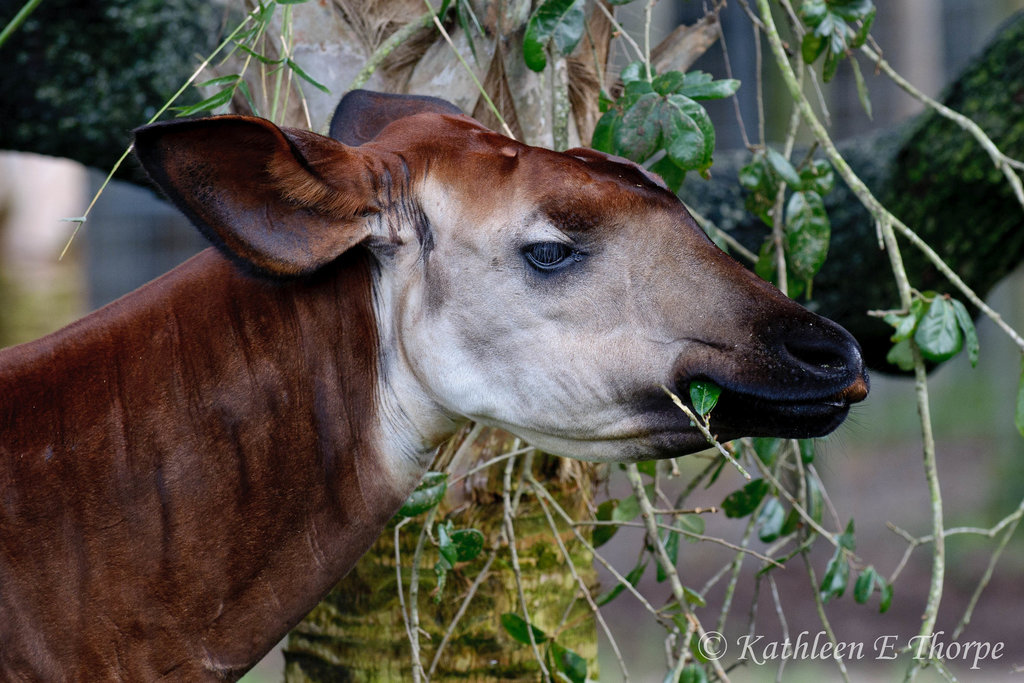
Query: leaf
x=709 y=89
x=212 y=102
x=306 y=77
x=639 y=133
x=468 y=543
x=427 y=494
x=885 y=588
x=812 y=46
x=742 y=502
x=449 y=555
x=694 y=524
x=901 y=356
x=634 y=71
x=671 y=543
x=693 y=673
x=603 y=532
x=627 y=509
x=704 y=395
x=517 y=627
x=808 y=233
x=807 y=447
x=603 y=138
x=963 y=319
x=815 y=502
x=633 y=577
x=862 y=88
x=783 y=169
x=861 y=36
x=770 y=520
x=837 y=575
x=767 y=448
x=865 y=585
x=569 y=663
x=817 y=177
x=688 y=133
x=559 y=20
x=845 y=539
x=693 y=597
x=668 y=83
x=938 y=334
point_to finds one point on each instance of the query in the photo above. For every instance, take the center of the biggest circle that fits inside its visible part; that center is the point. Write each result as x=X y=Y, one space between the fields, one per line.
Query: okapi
x=187 y=471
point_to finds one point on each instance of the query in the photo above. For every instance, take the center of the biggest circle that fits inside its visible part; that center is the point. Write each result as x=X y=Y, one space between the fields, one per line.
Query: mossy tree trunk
x=359 y=633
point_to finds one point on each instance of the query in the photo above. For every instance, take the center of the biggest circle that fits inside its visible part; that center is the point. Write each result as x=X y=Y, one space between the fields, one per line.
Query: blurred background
x=872 y=466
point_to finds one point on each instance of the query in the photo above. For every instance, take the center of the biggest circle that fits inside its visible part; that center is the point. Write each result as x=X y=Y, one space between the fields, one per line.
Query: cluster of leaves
x=940 y=326
x=773 y=522
x=566 y=664
x=454 y=545
x=658 y=121
x=807 y=229
x=830 y=32
x=246 y=42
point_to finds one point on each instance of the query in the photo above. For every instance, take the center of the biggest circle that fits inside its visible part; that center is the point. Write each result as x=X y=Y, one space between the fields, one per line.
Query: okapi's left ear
x=285 y=202
x=362 y=114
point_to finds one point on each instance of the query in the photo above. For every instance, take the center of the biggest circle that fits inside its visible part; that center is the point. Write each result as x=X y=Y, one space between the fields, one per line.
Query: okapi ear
x=362 y=114
x=285 y=202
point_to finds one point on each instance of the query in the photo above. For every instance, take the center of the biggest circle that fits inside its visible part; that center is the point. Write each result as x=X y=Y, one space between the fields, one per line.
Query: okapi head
x=551 y=294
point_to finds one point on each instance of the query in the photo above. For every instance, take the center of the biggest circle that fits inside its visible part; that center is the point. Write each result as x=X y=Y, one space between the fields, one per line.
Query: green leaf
x=807 y=447
x=808 y=233
x=783 y=169
x=817 y=177
x=517 y=627
x=742 y=502
x=427 y=494
x=815 y=502
x=861 y=36
x=688 y=133
x=569 y=663
x=901 y=355
x=449 y=554
x=767 y=448
x=670 y=173
x=837 y=575
x=671 y=543
x=938 y=334
x=306 y=77
x=862 y=88
x=260 y=57
x=704 y=395
x=693 y=597
x=634 y=71
x=468 y=543
x=691 y=523
x=812 y=46
x=221 y=80
x=709 y=90
x=885 y=588
x=693 y=673
x=1018 y=415
x=603 y=138
x=828 y=71
x=639 y=133
x=561 y=21
x=668 y=82
x=770 y=520
x=633 y=577
x=627 y=509
x=963 y=319
x=845 y=539
x=603 y=533
x=865 y=585
x=212 y=102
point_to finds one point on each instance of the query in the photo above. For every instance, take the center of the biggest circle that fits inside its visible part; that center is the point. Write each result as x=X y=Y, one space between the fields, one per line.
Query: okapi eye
x=550 y=255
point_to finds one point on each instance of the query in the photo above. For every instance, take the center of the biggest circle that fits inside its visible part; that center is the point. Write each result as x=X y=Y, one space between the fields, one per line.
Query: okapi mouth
x=740 y=413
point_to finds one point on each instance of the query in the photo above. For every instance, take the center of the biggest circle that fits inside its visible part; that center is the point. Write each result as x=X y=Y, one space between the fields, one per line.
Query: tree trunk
x=358 y=632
